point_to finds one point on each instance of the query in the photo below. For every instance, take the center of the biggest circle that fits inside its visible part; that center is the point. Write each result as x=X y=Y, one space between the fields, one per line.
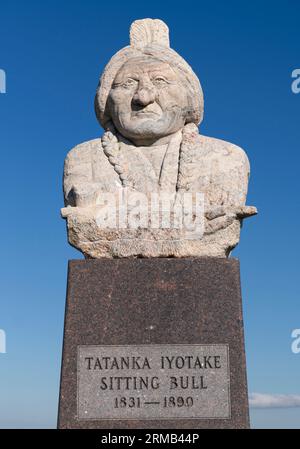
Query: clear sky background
x=53 y=53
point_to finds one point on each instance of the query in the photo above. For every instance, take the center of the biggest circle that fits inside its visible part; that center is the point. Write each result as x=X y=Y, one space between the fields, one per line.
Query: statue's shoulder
x=84 y=151
x=229 y=154
x=87 y=160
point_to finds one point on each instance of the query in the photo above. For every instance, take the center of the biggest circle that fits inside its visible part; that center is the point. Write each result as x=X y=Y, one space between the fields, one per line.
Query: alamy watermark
x=2 y=82
x=133 y=210
x=295 y=86
x=2 y=342
x=296 y=341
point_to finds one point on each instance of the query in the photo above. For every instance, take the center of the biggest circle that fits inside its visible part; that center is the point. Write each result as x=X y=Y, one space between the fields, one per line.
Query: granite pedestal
x=153 y=343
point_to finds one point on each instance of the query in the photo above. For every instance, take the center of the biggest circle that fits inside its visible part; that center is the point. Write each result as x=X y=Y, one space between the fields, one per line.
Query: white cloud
x=261 y=400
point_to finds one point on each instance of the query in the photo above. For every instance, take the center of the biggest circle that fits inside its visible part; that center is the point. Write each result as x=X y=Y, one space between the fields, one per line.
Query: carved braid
x=111 y=148
x=187 y=158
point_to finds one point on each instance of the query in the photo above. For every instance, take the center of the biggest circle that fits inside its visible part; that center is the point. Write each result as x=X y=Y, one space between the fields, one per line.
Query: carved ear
x=148 y=32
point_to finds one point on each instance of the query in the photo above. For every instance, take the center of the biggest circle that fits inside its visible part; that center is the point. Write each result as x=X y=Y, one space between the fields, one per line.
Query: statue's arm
x=231 y=200
x=80 y=190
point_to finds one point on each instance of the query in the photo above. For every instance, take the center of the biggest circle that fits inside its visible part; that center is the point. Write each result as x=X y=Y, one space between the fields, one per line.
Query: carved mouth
x=147 y=113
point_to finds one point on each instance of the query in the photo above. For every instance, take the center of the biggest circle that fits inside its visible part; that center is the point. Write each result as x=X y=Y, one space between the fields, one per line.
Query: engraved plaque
x=153 y=382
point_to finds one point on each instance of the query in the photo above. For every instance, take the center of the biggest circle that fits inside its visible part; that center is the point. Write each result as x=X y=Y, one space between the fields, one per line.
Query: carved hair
x=150 y=38
x=111 y=148
x=186 y=169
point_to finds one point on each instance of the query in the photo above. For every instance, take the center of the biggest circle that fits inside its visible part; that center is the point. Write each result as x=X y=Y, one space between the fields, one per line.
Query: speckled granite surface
x=154 y=301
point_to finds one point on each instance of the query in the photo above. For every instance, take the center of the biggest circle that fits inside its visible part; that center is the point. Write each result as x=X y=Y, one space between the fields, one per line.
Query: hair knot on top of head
x=149 y=31
x=149 y=38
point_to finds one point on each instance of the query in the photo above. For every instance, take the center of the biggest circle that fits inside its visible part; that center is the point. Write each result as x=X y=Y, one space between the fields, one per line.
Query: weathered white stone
x=149 y=102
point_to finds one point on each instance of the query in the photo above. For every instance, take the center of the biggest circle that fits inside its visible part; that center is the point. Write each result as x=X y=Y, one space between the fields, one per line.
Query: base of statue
x=153 y=343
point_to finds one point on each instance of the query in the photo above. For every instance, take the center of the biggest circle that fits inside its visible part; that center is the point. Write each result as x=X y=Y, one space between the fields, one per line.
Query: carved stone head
x=147 y=91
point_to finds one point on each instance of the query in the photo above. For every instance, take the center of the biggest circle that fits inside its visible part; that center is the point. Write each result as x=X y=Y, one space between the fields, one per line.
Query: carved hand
x=220 y=217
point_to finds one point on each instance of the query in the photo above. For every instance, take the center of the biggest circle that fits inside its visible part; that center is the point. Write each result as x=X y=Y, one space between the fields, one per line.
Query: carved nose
x=144 y=96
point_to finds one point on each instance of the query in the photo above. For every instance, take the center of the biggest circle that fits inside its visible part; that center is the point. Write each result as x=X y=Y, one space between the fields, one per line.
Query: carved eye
x=130 y=82
x=159 y=81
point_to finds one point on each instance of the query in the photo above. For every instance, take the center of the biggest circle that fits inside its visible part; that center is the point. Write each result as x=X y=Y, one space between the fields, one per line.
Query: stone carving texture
x=150 y=103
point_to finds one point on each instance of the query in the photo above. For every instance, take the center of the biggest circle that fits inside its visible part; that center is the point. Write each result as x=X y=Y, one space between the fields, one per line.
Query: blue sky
x=53 y=53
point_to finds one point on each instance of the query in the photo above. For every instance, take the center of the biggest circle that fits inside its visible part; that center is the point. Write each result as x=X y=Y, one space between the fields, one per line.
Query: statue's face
x=147 y=100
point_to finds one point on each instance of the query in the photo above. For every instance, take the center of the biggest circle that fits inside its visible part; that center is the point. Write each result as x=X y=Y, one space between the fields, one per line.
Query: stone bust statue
x=150 y=103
